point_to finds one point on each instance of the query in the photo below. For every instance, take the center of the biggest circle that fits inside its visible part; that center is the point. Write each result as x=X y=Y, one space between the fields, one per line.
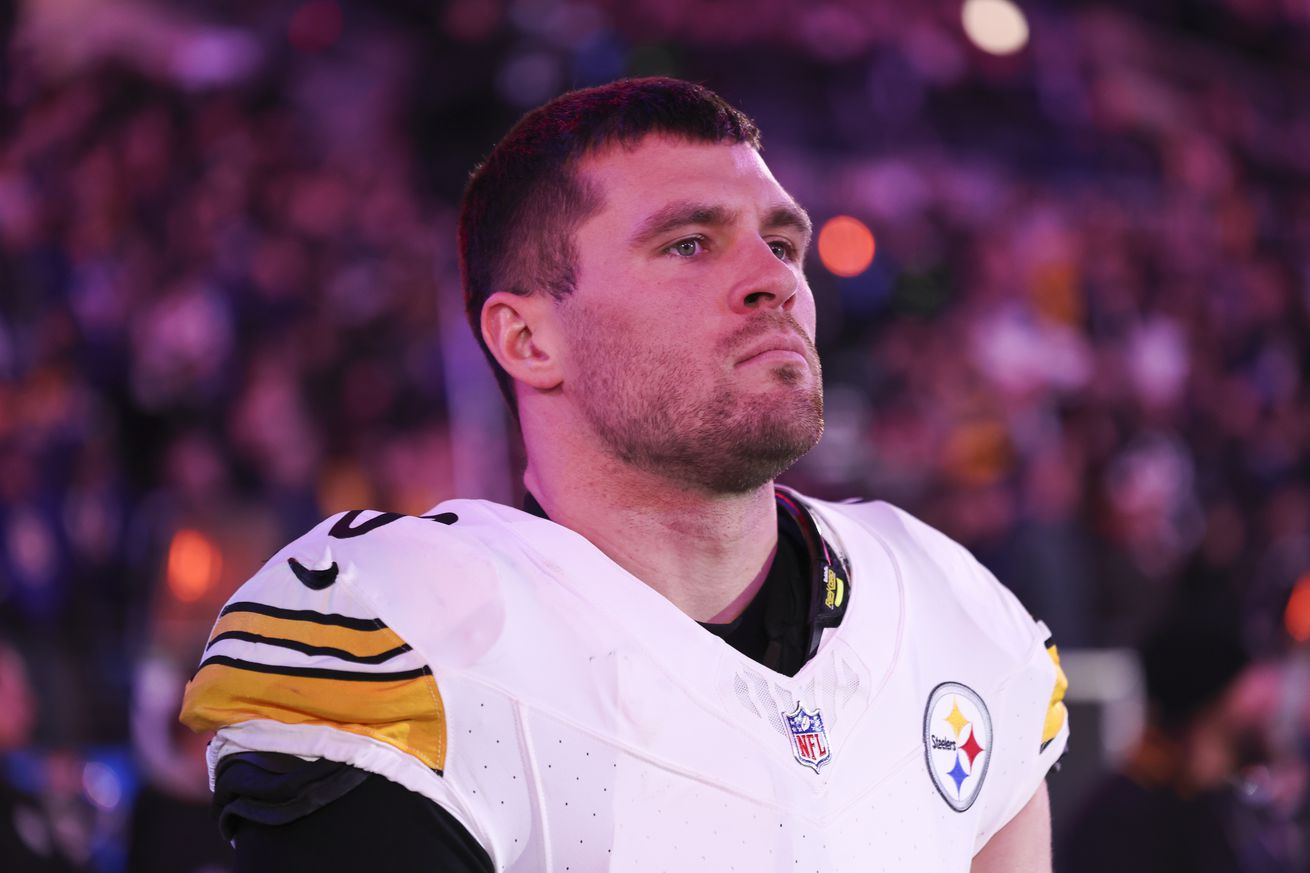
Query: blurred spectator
x=31 y=839
x=1176 y=804
x=203 y=540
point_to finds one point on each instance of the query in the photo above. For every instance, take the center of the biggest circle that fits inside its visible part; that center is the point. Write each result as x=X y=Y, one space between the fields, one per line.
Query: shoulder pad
x=304 y=642
x=991 y=606
x=434 y=579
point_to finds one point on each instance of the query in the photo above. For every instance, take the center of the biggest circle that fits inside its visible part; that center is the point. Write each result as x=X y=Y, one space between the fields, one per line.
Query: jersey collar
x=829 y=577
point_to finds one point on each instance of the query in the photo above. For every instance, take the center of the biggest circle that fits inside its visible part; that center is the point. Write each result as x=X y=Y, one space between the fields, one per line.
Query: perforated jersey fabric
x=571 y=718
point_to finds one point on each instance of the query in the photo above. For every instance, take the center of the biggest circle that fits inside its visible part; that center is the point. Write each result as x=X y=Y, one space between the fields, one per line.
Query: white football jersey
x=571 y=718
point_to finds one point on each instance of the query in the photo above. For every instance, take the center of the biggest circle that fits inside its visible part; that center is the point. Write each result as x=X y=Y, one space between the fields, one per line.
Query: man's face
x=691 y=330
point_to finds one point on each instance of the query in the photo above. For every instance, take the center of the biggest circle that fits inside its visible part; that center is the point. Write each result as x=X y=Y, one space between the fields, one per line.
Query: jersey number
x=345 y=528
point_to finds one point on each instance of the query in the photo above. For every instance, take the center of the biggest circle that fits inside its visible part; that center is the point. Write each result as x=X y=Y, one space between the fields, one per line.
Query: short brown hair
x=523 y=203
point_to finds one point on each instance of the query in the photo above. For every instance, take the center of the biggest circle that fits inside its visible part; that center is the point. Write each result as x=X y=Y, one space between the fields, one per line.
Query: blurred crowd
x=228 y=307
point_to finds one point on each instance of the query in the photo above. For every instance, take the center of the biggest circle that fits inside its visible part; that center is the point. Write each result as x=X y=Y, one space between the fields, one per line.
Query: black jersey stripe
x=314 y=672
x=306 y=648
x=364 y=624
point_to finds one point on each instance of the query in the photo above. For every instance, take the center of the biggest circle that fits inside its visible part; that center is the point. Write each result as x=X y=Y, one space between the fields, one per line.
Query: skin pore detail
x=720 y=440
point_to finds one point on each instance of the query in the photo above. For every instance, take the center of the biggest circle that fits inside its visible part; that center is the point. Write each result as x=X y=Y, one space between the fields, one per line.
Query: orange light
x=194 y=564
x=846 y=246
x=1296 y=618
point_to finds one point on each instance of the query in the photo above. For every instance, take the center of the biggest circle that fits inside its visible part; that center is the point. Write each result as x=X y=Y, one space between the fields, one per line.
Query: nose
x=767 y=281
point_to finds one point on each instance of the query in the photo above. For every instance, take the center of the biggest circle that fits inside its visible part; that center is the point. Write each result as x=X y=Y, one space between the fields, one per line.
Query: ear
x=521 y=332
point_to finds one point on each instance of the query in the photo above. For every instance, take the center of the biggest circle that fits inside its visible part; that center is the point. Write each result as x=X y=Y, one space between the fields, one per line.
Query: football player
x=663 y=661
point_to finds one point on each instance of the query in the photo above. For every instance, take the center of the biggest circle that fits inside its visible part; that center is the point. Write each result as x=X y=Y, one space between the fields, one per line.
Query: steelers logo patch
x=957 y=742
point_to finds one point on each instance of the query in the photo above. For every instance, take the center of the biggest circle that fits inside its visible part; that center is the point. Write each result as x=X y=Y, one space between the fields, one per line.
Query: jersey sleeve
x=1026 y=699
x=1031 y=712
x=1030 y=717
x=303 y=661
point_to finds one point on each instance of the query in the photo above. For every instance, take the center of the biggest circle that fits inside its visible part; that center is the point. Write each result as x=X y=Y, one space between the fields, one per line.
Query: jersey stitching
x=434 y=693
x=538 y=794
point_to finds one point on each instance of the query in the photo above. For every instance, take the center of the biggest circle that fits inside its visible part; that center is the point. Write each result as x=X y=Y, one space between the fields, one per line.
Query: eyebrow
x=680 y=213
x=683 y=213
x=790 y=215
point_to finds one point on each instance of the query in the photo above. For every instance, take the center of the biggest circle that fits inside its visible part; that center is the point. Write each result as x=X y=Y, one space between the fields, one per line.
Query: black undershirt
x=284 y=813
x=767 y=628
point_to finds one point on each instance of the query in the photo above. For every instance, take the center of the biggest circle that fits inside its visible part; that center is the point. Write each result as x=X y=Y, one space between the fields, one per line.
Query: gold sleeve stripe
x=297 y=645
x=365 y=646
x=1056 y=711
x=402 y=709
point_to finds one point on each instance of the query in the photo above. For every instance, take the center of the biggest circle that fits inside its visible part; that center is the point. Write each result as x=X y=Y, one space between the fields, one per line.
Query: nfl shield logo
x=809 y=741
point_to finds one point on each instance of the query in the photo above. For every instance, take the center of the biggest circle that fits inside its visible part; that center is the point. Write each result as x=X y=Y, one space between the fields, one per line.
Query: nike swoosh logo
x=315 y=580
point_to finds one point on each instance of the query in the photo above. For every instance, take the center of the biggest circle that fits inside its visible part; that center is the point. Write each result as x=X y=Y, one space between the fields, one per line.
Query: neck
x=706 y=553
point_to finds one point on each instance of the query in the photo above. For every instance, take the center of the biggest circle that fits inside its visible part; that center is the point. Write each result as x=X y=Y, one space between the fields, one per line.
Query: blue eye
x=783 y=250
x=687 y=248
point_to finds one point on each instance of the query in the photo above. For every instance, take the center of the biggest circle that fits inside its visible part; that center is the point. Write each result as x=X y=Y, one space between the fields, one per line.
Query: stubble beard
x=650 y=411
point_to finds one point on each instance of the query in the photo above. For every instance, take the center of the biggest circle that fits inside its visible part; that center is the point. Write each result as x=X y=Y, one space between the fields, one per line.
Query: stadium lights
x=846 y=246
x=997 y=27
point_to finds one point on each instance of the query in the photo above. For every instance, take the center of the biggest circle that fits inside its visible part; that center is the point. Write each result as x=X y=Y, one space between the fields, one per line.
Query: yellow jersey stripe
x=1056 y=711
x=305 y=648
x=360 y=645
x=401 y=709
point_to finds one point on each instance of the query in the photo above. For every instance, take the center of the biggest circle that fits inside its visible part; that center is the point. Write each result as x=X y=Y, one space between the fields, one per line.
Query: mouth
x=777 y=349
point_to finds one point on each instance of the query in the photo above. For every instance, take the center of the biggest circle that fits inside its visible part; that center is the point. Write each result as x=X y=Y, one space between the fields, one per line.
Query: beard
x=653 y=410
